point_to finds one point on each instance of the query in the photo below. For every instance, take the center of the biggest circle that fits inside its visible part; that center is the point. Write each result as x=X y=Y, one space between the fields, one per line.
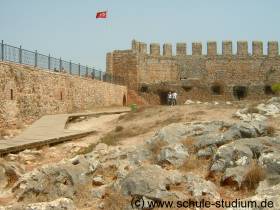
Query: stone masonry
x=27 y=92
x=213 y=76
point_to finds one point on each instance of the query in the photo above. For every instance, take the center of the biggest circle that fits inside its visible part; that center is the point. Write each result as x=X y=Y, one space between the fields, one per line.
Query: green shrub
x=133 y=107
x=276 y=87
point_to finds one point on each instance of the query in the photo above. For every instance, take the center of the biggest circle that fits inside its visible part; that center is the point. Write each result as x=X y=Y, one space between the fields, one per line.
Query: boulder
x=274 y=100
x=265 y=194
x=55 y=180
x=242 y=151
x=235 y=176
x=150 y=181
x=207 y=152
x=175 y=154
x=271 y=160
x=99 y=192
x=59 y=204
x=200 y=187
x=10 y=172
x=269 y=109
x=176 y=132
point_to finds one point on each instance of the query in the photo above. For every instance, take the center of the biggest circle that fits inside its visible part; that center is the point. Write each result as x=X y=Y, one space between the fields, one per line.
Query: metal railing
x=22 y=56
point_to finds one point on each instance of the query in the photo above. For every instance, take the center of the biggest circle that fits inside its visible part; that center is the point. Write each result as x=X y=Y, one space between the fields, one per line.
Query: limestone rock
x=55 y=180
x=175 y=154
x=150 y=181
x=235 y=176
x=59 y=204
x=9 y=173
x=200 y=187
x=98 y=181
x=264 y=192
x=207 y=152
x=271 y=160
x=99 y=192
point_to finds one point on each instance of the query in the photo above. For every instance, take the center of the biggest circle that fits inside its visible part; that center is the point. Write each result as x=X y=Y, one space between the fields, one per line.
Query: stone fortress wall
x=213 y=76
x=28 y=92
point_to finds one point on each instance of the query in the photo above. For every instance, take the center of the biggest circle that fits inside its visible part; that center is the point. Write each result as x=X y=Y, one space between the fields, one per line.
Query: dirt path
x=136 y=127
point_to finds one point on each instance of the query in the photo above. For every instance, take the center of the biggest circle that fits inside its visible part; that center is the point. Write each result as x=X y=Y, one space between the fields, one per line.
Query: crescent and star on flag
x=101 y=14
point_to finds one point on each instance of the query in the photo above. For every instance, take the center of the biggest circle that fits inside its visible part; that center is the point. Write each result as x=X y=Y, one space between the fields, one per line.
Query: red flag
x=101 y=14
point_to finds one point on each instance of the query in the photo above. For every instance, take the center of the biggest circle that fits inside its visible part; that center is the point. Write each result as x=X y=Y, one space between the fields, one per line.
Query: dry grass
x=114 y=200
x=119 y=128
x=83 y=197
x=108 y=173
x=121 y=132
x=194 y=163
x=214 y=177
x=4 y=132
x=172 y=119
x=271 y=131
x=85 y=150
x=189 y=143
x=19 y=125
x=254 y=175
x=113 y=137
x=156 y=148
x=252 y=109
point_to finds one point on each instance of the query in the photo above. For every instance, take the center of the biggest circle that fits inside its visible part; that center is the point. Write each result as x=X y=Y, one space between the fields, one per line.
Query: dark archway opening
x=144 y=89
x=124 y=100
x=268 y=90
x=240 y=92
x=163 y=98
x=216 y=90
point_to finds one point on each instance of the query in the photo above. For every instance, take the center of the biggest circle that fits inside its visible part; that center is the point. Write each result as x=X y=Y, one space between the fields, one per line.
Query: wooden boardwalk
x=49 y=129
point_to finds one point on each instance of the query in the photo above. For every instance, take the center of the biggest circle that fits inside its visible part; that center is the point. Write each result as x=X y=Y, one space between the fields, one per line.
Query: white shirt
x=174 y=95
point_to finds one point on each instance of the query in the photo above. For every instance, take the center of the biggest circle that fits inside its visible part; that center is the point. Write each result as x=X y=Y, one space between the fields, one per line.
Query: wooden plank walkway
x=49 y=129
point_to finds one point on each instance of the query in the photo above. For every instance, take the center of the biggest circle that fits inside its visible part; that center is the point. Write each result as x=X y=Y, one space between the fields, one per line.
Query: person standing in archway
x=174 y=98
x=169 y=98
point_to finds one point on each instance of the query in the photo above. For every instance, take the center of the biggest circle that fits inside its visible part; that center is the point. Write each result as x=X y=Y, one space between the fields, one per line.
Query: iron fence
x=22 y=56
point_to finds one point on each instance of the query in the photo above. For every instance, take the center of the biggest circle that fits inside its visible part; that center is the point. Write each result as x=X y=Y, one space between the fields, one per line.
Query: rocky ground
x=196 y=151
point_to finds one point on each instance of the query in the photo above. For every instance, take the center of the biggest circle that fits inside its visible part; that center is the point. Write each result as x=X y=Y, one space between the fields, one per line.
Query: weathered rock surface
x=57 y=180
x=265 y=192
x=208 y=133
x=150 y=181
x=241 y=152
x=200 y=187
x=235 y=176
x=9 y=173
x=59 y=204
x=270 y=159
x=175 y=154
x=261 y=111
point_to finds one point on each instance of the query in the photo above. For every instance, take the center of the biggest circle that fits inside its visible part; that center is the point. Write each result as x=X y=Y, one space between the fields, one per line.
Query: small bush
x=118 y=128
x=133 y=107
x=254 y=175
x=276 y=87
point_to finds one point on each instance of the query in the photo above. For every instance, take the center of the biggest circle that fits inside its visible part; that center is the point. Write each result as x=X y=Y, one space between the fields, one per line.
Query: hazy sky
x=68 y=28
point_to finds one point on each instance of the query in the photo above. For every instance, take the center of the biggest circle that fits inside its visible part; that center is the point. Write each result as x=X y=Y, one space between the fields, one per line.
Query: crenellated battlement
x=242 y=49
x=238 y=70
